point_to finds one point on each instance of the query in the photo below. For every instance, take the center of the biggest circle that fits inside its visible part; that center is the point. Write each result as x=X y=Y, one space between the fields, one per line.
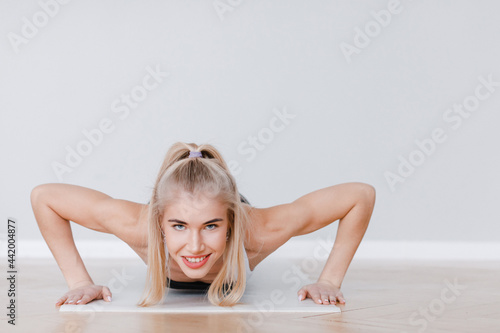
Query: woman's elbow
x=39 y=194
x=367 y=194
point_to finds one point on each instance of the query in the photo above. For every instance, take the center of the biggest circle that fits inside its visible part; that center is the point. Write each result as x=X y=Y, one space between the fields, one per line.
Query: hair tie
x=195 y=154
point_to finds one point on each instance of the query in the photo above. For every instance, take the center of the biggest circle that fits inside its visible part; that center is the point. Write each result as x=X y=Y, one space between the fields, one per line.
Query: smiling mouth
x=196 y=259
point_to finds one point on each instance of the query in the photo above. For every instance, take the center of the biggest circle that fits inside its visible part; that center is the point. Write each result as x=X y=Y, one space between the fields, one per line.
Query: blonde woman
x=202 y=234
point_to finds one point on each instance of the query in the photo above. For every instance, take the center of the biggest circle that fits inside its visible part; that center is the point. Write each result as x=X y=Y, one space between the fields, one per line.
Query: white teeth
x=195 y=260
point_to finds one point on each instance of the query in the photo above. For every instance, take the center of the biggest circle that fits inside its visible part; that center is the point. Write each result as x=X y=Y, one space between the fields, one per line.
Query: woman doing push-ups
x=198 y=232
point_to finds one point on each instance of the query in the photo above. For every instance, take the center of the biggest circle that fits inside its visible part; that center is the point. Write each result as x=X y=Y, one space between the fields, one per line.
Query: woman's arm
x=350 y=203
x=54 y=206
x=351 y=229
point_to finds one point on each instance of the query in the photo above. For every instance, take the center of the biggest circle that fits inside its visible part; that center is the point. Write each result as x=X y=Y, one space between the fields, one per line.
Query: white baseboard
x=401 y=250
x=318 y=249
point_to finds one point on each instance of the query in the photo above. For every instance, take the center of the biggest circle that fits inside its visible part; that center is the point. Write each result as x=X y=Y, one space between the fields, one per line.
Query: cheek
x=172 y=243
x=216 y=241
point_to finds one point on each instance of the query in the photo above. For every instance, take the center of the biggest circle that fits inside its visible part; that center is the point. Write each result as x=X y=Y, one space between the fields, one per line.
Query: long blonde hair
x=209 y=174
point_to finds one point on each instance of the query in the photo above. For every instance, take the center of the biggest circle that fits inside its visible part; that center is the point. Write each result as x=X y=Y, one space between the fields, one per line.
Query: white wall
x=229 y=71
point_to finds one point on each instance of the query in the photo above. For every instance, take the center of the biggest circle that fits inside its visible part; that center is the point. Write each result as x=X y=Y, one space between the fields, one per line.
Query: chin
x=196 y=273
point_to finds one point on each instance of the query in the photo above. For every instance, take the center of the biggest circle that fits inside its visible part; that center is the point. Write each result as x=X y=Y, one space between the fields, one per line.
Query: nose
x=195 y=244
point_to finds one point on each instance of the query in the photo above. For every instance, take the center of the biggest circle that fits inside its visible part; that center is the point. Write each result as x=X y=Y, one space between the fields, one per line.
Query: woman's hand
x=85 y=293
x=322 y=292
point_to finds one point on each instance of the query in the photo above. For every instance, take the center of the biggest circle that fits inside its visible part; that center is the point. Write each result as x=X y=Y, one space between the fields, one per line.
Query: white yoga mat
x=271 y=288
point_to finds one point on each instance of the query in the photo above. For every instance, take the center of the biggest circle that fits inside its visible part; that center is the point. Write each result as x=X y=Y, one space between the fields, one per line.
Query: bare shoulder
x=273 y=226
x=127 y=220
x=268 y=230
x=95 y=210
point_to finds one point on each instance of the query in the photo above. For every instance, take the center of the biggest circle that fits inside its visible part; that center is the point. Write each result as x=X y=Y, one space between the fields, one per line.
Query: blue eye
x=181 y=227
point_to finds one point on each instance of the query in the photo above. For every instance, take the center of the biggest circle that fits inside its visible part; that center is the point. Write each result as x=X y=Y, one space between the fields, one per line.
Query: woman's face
x=195 y=233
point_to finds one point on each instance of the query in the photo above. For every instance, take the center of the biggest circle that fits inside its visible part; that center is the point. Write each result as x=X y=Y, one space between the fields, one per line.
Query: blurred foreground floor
x=382 y=296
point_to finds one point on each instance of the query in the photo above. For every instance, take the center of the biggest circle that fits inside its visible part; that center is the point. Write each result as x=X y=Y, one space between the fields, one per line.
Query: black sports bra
x=196 y=285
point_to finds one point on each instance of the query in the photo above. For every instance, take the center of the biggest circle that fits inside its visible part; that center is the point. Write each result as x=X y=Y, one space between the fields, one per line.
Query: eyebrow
x=179 y=221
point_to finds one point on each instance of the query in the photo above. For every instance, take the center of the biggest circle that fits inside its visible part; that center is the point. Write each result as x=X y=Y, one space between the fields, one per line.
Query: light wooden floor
x=382 y=296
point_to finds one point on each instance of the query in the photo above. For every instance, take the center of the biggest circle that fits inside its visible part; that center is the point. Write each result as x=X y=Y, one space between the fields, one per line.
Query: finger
x=106 y=294
x=337 y=299
x=302 y=294
x=61 y=300
x=84 y=300
x=340 y=297
x=316 y=297
x=78 y=299
x=325 y=299
x=72 y=299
